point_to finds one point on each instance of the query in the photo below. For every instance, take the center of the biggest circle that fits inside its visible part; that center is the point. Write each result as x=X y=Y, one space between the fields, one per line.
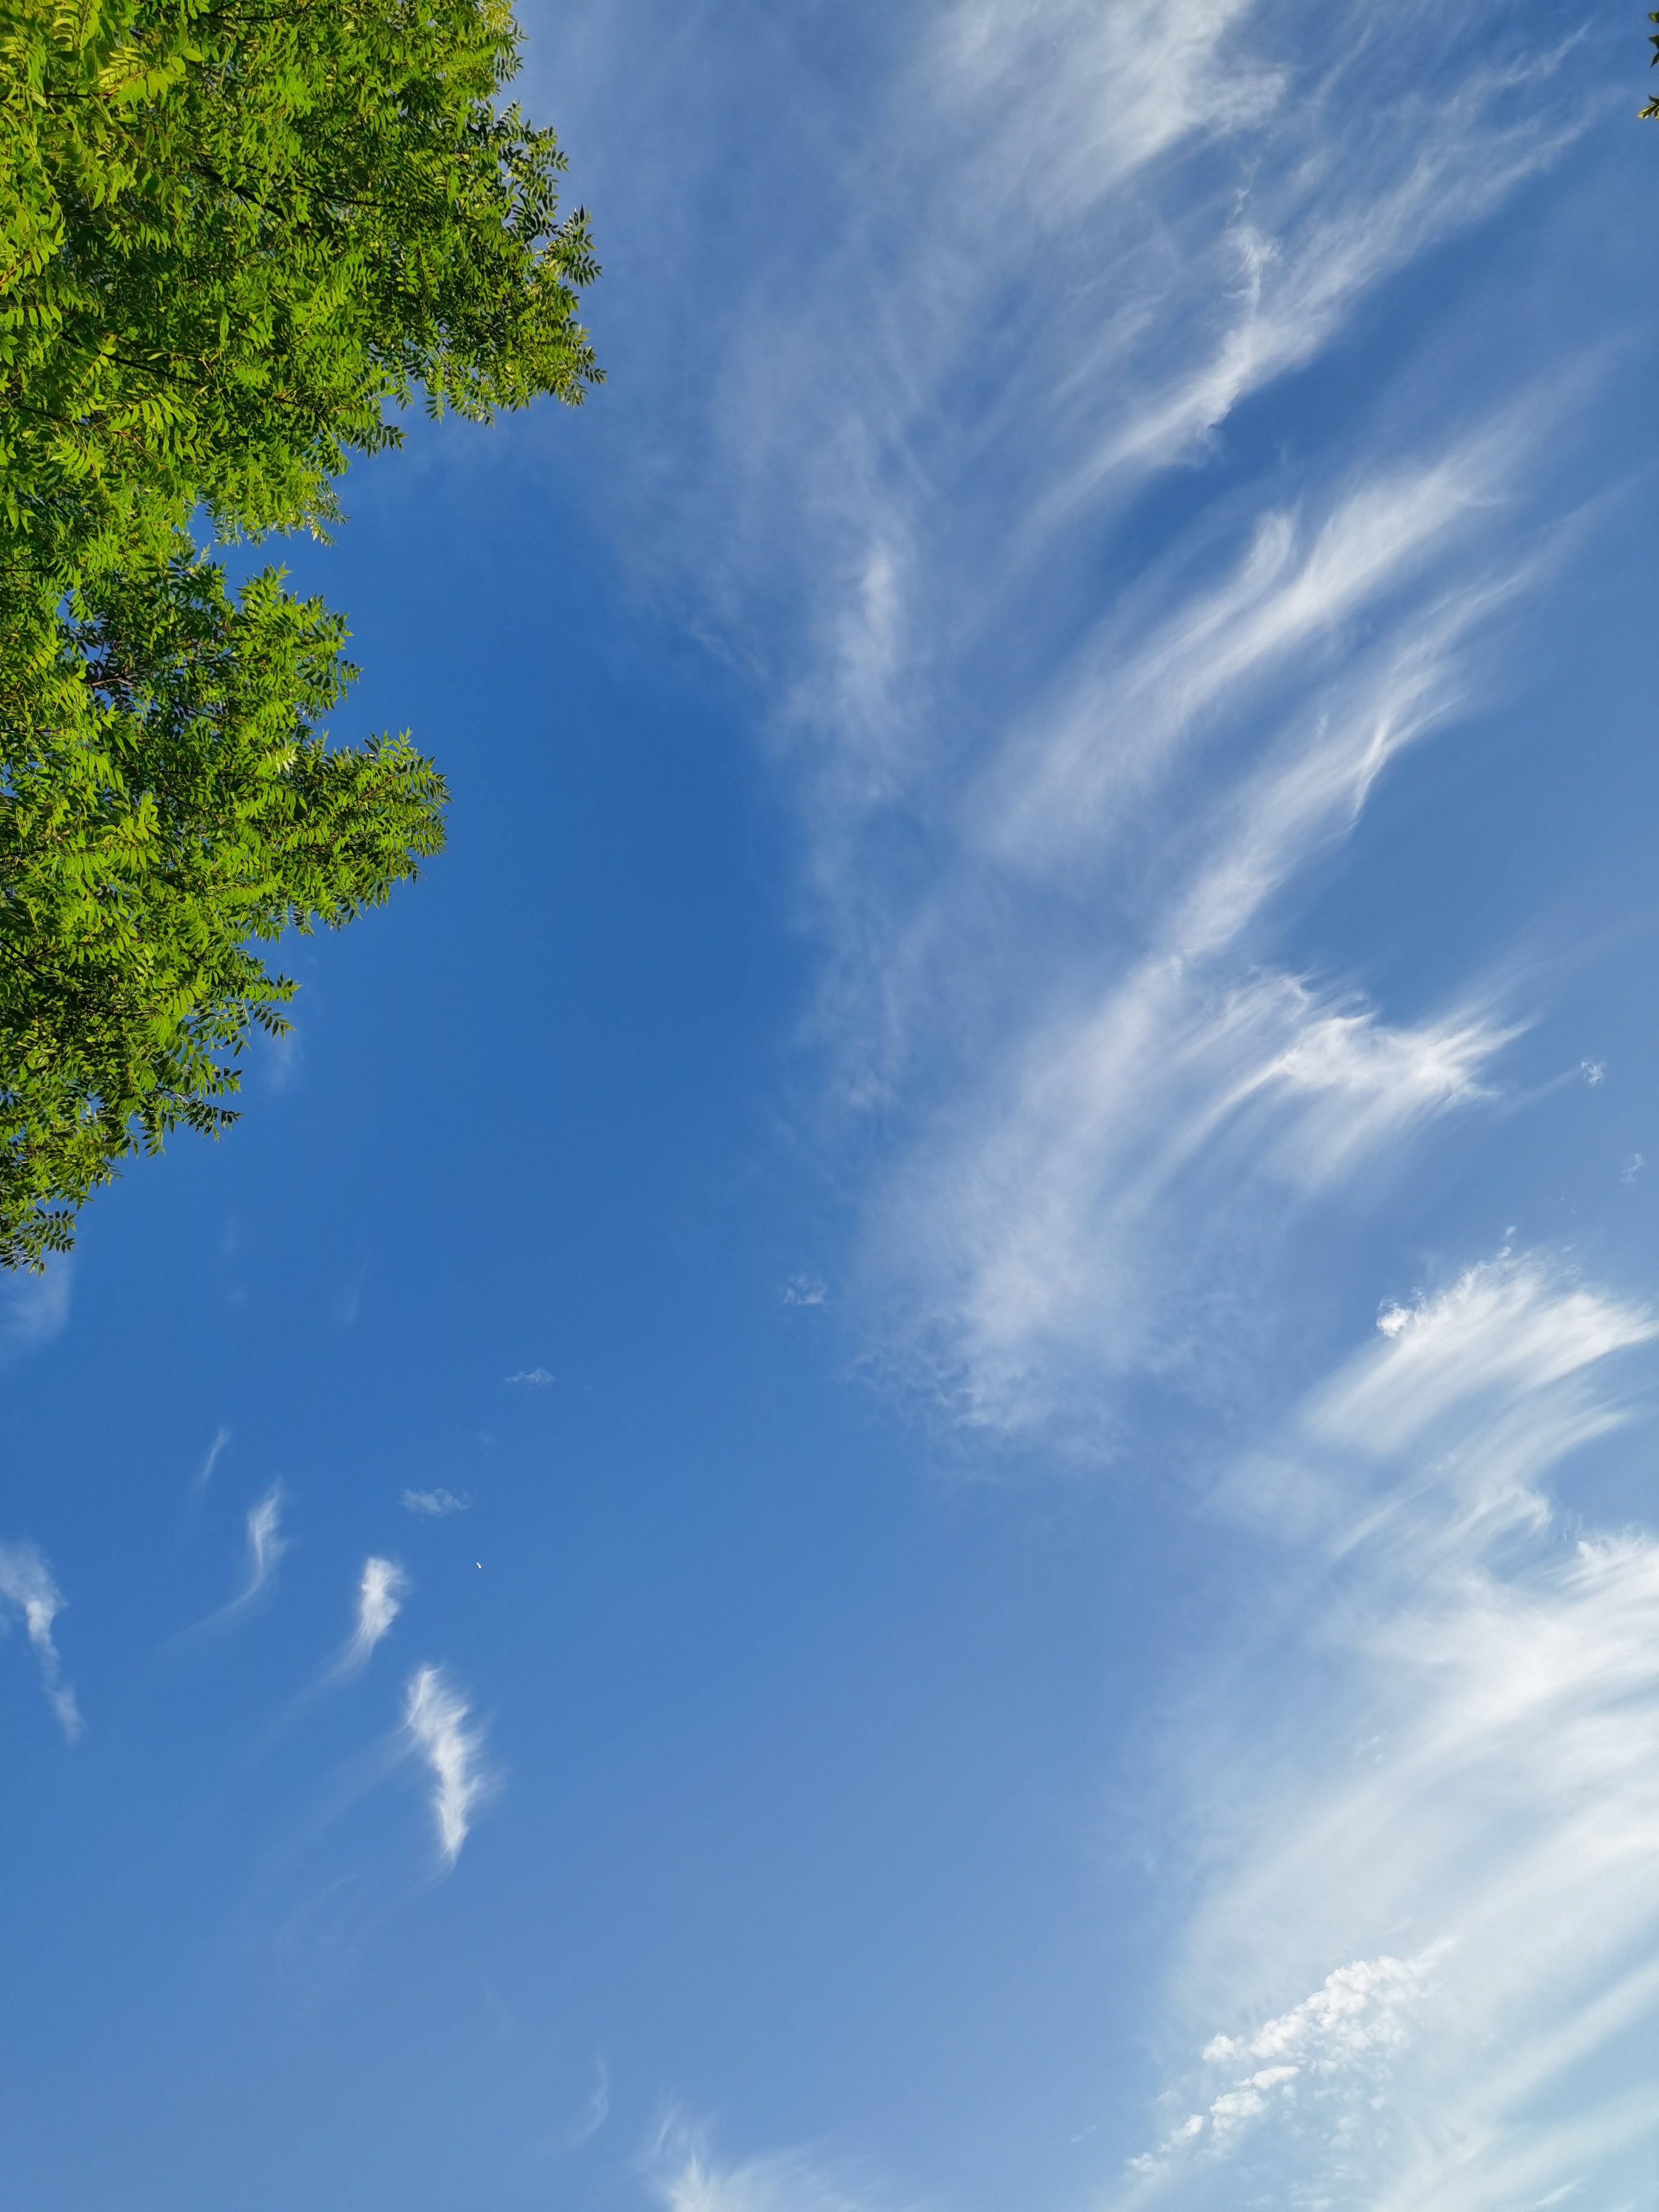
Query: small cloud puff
x=804 y=1291
x=26 y=1582
x=435 y=1721
x=1593 y=1072
x=1394 y=1320
x=537 y=1378
x=434 y=1503
x=1633 y=1168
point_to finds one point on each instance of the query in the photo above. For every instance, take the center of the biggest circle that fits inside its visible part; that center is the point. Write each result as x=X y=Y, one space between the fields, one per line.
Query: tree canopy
x=236 y=242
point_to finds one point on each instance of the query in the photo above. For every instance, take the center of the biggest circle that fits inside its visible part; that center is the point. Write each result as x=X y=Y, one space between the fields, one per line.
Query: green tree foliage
x=1650 y=112
x=235 y=241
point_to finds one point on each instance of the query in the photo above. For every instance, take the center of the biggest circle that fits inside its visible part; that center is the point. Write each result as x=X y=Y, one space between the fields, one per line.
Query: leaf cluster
x=181 y=802
x=237 y=234
x=238 y=237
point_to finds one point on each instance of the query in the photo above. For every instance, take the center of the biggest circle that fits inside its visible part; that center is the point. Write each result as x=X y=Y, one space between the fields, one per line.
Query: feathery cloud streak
x=1069 y=712
x=380 y=1594
x=784 y=2183
x=265 y=1542
x=435 y=1722
x=1047 y=822
x=26 y=1584
x=266 y=1545
x=204 y=1473
x=1477 y=1771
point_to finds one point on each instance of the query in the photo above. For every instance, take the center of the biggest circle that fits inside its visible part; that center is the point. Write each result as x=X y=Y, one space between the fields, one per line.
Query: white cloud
x=265 y=1541
x=1305 y=257
x=785 y=2183
x=266 y=1545
x=1475 y=1766
x=1136 y=700
x=1099 y=1101
x=284 y=1054
x=434 y=1503
x=380 y=1594
x=1044 y=1240
x=1082 y=97
x=537 y=1377
x=596 y=2110
x=204 y=1473
x=1357 y=2012
x=1058 y=762
x=1047 y=810
x=435 y=1721
x=1511 y=1329
x=34 y=1309
x=26 y=1584
x=1110 y=1118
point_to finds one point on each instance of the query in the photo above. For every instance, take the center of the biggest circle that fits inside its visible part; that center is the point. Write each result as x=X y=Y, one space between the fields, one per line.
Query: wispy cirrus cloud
x=1098 y=1098
x=265 y=1542
x=1507 y=1330
x=1475 y=1771
x=594 y=2113
x=1036 y=1243
x=1050 y=822
x=1082 y=1001
x=210 y=1460
x=34 y=1309
x=381 y=1589
x=26 y=1584
x=265 y=1545
x=690 y=2180
x=435 y=1726
x=433 y=1505
x=381 y=1595
x=1076 y=780
x=1071 y=725
x=1307 y=240
x=1119 y=224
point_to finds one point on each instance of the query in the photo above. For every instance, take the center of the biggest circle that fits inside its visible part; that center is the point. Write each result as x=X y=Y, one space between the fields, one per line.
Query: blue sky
x=906 y=1461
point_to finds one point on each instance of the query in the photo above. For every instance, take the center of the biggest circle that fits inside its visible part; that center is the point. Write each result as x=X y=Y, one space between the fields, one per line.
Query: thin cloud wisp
x=26 y=1584
x=434 y=1723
